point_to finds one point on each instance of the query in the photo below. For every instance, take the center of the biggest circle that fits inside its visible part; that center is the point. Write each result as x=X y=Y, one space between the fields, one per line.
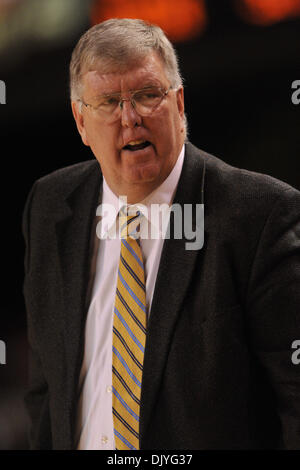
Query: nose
x=129 y=116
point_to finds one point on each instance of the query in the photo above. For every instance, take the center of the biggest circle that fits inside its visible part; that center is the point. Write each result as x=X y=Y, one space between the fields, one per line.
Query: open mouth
x=136 y=145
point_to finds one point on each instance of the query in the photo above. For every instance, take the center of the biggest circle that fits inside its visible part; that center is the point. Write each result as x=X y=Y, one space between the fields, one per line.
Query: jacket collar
x=74 y=222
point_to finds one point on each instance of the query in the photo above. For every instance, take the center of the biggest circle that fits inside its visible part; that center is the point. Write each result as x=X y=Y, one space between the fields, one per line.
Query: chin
x=145 y=173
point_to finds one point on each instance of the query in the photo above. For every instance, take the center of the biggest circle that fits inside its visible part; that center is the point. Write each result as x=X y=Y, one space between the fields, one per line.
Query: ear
x=79 y=119
x=180 y=101
x=180 y=107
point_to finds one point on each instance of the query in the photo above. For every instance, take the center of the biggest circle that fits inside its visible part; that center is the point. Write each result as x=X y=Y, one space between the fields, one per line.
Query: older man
x=139 y=342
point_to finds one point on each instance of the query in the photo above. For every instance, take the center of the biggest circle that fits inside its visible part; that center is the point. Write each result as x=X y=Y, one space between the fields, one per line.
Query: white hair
x=118 y=43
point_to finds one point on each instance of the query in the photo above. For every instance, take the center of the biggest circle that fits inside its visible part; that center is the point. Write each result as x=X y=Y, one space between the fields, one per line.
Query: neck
x=137 y=193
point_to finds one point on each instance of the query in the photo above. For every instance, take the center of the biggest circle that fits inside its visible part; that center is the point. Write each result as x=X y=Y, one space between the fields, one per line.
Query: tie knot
x=130 y=220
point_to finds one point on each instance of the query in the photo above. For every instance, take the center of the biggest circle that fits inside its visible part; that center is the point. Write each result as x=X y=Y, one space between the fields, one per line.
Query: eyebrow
x=114 y=93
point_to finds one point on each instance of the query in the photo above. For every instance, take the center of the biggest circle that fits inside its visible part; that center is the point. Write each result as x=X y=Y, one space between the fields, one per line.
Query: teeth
x=136 y=142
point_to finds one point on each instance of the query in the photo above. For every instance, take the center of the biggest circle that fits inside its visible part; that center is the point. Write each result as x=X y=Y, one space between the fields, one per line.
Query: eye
x=109 y=101
x=152 y=94
x=147 y=95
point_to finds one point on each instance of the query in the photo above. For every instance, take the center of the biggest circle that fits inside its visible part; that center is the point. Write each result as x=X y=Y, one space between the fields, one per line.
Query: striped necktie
x=129 y=336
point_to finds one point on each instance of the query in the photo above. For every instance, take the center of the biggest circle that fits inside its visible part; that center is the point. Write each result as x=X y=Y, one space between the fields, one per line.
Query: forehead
x=148 y=72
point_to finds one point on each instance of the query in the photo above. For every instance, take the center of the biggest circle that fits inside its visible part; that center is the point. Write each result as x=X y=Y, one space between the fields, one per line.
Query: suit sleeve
x=36 y=397
x=273 y=312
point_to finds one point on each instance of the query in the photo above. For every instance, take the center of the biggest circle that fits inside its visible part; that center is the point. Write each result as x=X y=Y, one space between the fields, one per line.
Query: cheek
x=100 y=139
x=103 y=145
x=167 y=128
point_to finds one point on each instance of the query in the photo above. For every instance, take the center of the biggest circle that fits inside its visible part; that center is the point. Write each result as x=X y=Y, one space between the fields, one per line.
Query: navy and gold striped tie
x=129 y=336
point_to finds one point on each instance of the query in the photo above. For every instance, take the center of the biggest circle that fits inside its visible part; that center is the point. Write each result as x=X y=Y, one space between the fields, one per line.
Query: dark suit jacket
x=218 y=372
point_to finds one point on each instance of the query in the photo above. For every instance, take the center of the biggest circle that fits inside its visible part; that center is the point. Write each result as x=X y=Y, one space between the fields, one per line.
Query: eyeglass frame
x=132 y=92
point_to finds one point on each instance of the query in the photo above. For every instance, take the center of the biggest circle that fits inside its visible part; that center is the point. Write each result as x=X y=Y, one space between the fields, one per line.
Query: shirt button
x=109 y=389
x=104 y=440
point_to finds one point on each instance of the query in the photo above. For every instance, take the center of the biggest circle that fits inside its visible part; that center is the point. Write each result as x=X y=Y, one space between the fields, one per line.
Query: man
x=201 y=356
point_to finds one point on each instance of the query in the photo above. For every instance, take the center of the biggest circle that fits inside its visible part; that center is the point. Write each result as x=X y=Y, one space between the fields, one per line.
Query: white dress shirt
x=94 y=425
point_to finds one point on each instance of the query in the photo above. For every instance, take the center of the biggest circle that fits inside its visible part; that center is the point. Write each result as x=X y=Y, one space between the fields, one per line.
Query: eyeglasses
x=144 y=101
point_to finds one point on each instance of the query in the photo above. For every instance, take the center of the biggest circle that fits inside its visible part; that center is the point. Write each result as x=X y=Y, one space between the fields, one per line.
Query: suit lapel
x=74 y=232
x=170 y=289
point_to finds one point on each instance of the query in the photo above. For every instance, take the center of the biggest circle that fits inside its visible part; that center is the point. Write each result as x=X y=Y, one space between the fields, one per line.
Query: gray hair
x=118 y=43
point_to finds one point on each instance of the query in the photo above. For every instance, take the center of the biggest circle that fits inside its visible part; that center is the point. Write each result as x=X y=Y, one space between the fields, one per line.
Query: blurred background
x=240 y=61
